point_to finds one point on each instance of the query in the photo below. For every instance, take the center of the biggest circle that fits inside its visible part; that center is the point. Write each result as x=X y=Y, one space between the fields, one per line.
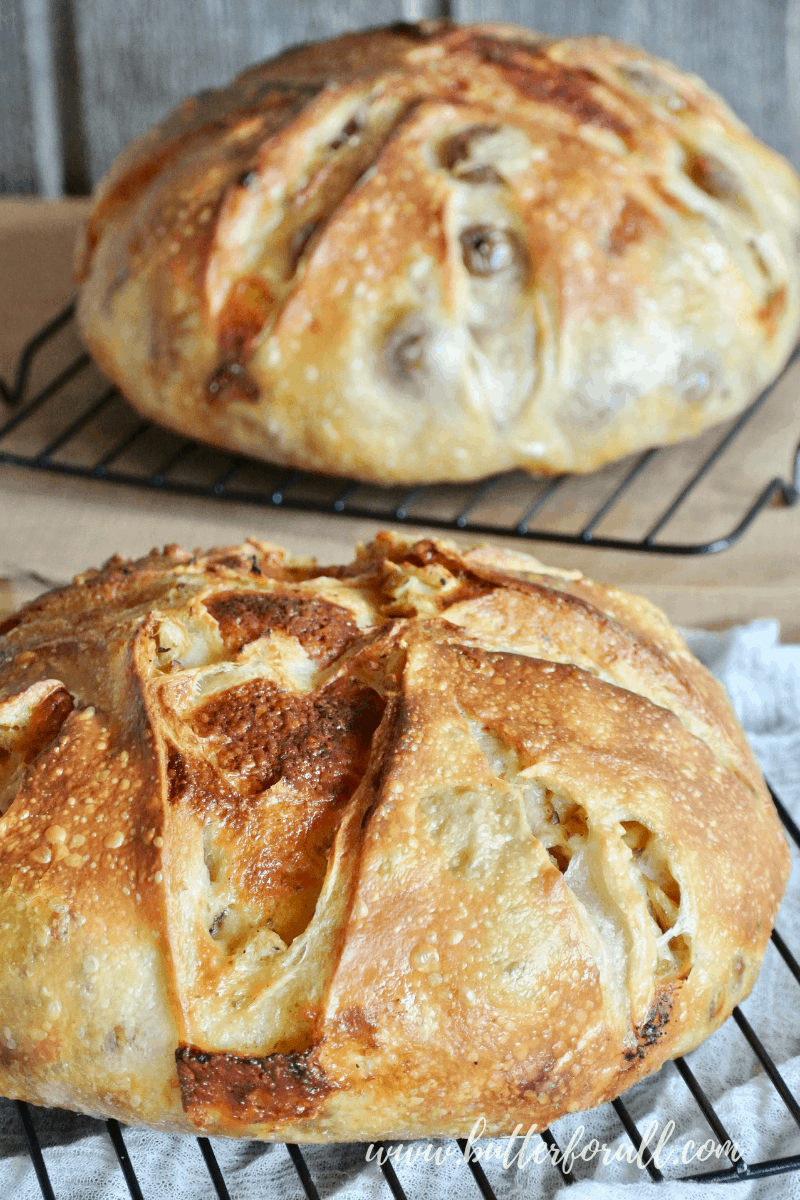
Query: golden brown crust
x=434 y=252
x=375 y=849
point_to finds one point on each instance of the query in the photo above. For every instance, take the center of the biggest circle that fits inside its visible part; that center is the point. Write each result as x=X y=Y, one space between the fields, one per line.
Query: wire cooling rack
x=739 y=1170
x=65 y=419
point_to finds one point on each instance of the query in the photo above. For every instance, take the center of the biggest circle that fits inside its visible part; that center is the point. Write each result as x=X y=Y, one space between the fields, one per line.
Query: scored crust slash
x=364 y=851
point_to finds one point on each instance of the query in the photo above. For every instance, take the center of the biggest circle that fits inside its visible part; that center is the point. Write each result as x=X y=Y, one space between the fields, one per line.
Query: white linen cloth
x=763 y=679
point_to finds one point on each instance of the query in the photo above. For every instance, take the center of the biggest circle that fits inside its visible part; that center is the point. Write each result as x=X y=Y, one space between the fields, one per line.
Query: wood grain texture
x=747 y=50
x=17 y=162
x=140 y=59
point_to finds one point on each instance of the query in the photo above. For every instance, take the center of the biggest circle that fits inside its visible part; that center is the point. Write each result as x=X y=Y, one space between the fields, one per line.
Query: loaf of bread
x=345 y=853
x=434 y=252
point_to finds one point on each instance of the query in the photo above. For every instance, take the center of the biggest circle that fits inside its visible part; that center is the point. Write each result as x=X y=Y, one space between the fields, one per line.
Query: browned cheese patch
x=257 y=736
x=225 y=1086
x=323 y=629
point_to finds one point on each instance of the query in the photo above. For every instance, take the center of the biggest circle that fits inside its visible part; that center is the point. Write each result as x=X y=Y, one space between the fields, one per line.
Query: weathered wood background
x=79 y=78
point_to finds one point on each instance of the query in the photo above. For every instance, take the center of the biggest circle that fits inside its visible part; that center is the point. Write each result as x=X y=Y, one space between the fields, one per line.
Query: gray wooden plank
x=747 y=50
x=139 y=59
x=45 y=116
x=17 y=161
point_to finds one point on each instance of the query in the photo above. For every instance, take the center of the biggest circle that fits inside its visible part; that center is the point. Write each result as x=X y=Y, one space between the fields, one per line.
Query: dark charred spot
x=536 y=1083
x=216 y=925
x=231 y=383
x=10 y=623
x=177 y=774
x=634 y=223
x=351 y=130
x=651 y=1029
x=275 y=1087
x=323 y=629
x=244 y=314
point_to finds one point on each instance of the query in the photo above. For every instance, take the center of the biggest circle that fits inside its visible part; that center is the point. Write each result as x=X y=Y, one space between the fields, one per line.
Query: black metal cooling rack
x=73 y=423
x=739 y=1170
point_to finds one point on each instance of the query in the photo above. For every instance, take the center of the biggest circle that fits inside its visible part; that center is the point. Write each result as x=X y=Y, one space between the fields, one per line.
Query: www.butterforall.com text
x=521 y=1150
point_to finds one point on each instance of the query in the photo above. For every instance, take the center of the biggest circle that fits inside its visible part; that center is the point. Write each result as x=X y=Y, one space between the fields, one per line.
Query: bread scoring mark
x=328 y=184
x=230 y=384
x=633 y=224
x=771 y=310
x=614 y=638
x=246 y=309
x=715 y=178
x=323 y=629
x=219 y=1087
x=457 y=155
x=185 y=128
x=536 y=77
x=562 y=825
x=487 y=250
x=643 y=79
x=298 y=245
x=30 y=722
x=313 y=751
x=423 y=358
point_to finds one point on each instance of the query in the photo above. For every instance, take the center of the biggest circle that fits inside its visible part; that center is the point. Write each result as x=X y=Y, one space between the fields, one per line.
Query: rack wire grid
x=65 y=419
x=739 y=1170
x=51 y=419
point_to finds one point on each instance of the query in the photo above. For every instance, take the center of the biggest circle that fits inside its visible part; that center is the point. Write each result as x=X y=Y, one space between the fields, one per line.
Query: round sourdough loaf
x=435 y=252
x=343 y=853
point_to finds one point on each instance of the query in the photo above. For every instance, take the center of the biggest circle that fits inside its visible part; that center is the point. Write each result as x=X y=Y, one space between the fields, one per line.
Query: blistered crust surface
x=347 y=852
x=435 y=252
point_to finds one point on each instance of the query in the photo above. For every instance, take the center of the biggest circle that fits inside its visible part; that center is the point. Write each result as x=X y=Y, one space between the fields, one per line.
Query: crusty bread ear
x=434 y=253
x=341 y=853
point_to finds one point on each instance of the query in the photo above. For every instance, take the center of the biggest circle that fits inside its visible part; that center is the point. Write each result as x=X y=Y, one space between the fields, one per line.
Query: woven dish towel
x=763 y=679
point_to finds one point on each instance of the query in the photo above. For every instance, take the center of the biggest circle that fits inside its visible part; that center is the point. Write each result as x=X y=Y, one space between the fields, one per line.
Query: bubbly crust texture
x=342 y=853
x=434 y=252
